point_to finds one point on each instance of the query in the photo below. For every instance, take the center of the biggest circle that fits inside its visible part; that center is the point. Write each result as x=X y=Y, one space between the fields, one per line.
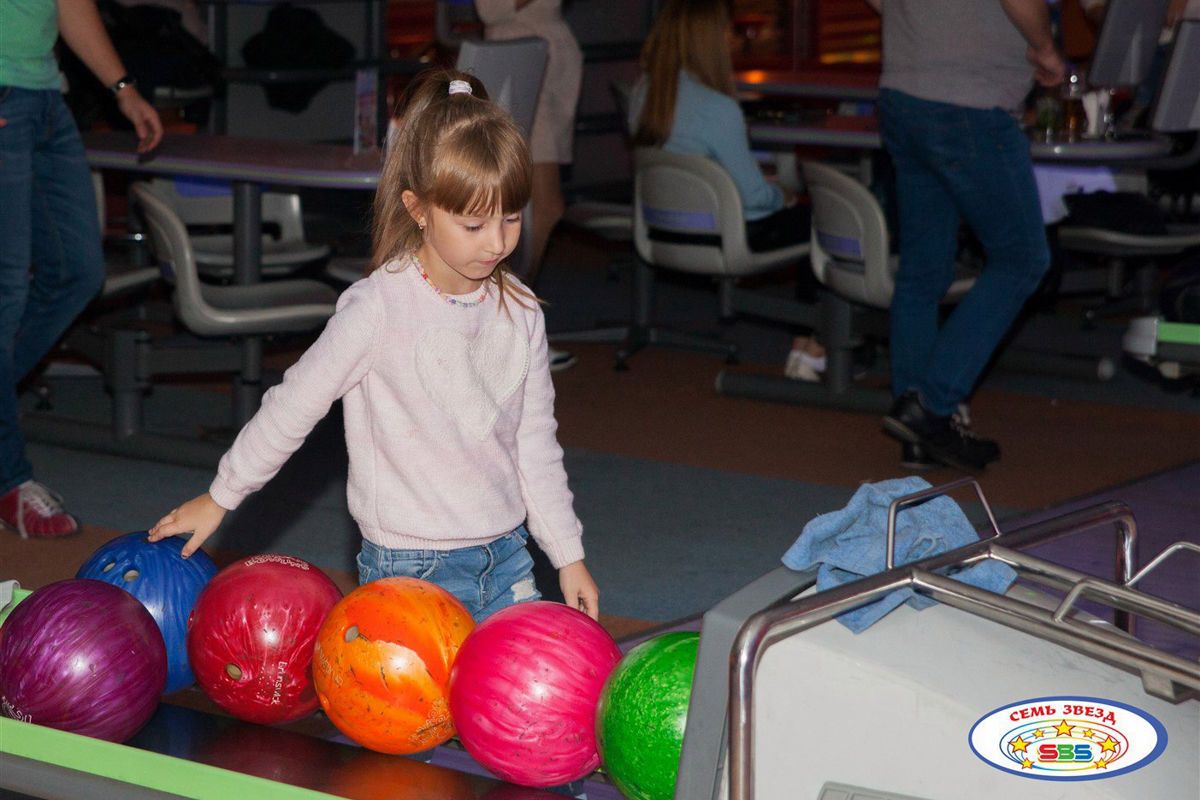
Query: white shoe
x=561 y=359
x=800 y=366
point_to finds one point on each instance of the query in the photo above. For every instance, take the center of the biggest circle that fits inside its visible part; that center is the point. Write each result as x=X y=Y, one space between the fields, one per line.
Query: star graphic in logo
x=1018 y=745
x=1100 y=763
x=1063 y=728
x=1110 y=744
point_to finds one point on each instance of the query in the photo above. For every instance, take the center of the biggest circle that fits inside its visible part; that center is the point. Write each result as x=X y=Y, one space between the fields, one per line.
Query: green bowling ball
x=642 y=713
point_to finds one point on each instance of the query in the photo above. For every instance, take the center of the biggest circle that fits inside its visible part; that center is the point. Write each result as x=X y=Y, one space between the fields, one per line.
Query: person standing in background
x=51 y=260
x=954 y=73
x=553 y=133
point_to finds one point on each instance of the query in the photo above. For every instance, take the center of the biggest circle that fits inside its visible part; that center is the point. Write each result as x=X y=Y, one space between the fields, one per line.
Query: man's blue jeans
x=51 y=259
x=956 y=164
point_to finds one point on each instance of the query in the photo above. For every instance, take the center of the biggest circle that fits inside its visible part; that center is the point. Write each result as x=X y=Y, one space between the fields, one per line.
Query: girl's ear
x=415 y=209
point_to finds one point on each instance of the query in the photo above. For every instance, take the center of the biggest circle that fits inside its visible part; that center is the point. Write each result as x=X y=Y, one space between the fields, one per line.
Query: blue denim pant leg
x=51 y=259
x=486 y=578
x=958 y=164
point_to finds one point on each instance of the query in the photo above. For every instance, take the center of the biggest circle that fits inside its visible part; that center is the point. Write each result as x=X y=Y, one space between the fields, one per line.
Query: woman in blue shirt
x=684 y=102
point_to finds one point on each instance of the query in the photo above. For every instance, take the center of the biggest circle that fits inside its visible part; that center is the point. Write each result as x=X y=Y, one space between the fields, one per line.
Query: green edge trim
x=1179 y=332
x=131 y=765
x=138 y=767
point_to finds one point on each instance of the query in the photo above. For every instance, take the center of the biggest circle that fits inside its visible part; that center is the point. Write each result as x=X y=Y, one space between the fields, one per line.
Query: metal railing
x=1163 y=675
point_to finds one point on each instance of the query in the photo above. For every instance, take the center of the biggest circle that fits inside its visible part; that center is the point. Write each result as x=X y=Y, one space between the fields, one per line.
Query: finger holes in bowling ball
x=109 y=566
x=131 y=575
x=233 y=671
x=351 y=633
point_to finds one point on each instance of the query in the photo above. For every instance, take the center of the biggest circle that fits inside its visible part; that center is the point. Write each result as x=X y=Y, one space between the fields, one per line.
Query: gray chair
x=688 y=218
x=206 y=210
x=512 y=72
x=231 y=322
x=1131 y=261
x=851 y=258
x=123 y=277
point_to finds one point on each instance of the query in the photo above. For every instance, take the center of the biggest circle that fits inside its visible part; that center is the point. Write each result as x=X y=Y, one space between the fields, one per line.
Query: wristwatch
x=122 y=82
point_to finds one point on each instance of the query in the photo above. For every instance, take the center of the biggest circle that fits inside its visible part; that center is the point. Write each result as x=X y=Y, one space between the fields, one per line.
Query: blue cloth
x=51 y=260
x=486 y=578
x=708 y=123
x=850 y=544
x=957 y=164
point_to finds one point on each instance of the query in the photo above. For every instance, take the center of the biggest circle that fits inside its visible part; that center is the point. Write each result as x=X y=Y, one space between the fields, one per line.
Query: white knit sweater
x=449 y=417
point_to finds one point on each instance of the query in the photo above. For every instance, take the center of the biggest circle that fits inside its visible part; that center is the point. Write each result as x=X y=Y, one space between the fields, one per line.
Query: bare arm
x=1032 y=19
x=81 y=28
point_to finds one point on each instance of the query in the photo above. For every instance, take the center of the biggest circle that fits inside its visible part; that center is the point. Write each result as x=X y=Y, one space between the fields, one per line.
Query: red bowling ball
x=524 y=688
x=250 y=637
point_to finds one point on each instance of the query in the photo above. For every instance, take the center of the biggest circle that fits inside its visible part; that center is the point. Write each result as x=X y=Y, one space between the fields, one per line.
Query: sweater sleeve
x=337 y=361
x=731 y=149
x=548 y=501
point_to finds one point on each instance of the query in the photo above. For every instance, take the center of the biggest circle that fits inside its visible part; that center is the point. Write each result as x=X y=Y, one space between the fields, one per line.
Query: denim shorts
x=486 y=578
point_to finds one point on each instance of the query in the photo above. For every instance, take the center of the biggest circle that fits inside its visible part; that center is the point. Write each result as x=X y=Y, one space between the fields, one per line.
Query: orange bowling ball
x=381 y=664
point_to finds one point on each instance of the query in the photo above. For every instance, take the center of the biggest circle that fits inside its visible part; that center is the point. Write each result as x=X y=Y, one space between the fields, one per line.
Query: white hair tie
x=459 y=87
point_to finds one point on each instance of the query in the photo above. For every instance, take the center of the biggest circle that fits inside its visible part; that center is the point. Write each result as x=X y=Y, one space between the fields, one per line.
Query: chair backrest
x=204 y=204
x=849 y=237
x=687 y=214
x=511 y=71
x=172 y=248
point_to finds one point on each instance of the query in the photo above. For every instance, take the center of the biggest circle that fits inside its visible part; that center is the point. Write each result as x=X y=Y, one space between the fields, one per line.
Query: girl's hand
x=579 y=590
x=199 y=516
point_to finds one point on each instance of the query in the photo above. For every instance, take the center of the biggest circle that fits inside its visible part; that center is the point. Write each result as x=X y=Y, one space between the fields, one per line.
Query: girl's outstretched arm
x=199 y=516
x=579 y=590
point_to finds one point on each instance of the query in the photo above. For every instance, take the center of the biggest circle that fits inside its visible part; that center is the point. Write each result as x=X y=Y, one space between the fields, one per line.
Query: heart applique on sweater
x=470 y=379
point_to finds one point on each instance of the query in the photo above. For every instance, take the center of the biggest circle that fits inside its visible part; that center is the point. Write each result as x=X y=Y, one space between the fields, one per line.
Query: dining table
x=249 y=165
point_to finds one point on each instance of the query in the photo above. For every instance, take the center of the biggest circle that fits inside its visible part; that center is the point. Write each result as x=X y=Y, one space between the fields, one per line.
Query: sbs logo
x=1067 y=738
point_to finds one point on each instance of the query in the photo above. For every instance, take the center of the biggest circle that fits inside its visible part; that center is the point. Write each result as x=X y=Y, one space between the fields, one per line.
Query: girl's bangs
x=498 y=180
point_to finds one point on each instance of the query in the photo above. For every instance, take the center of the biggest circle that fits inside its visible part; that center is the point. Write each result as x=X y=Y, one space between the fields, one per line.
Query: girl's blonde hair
x=688 y=35
x=459 y=152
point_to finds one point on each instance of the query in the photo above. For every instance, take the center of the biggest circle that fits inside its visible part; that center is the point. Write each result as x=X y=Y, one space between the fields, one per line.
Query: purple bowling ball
x=82 y=656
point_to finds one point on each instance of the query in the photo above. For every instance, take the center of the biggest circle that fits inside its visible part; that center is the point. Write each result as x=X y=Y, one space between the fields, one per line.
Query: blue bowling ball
x=165 y=582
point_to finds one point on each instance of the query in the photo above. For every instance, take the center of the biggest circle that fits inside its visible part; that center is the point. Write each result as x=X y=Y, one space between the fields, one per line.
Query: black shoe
x=914 y=459
x=940 y=437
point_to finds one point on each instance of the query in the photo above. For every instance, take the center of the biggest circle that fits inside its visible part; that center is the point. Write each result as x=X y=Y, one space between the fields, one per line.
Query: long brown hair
x=459 y=152
x=688 y=35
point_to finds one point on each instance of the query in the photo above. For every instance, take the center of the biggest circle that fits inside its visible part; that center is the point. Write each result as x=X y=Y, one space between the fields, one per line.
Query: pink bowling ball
x=523 y=692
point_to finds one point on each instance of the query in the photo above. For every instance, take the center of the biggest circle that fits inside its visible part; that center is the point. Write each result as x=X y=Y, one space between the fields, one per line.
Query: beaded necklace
x=454 y=301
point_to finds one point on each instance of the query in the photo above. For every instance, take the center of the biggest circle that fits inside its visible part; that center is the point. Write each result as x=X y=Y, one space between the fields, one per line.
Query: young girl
x=439 y=358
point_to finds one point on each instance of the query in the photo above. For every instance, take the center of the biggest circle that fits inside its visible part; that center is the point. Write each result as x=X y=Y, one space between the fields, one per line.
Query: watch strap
x=121 y=83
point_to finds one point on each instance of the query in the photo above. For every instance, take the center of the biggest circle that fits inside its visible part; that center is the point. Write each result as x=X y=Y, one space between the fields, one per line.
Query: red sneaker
x=33 y=510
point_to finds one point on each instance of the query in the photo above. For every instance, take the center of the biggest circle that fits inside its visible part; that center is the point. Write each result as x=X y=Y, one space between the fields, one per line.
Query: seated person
x=684 y=102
